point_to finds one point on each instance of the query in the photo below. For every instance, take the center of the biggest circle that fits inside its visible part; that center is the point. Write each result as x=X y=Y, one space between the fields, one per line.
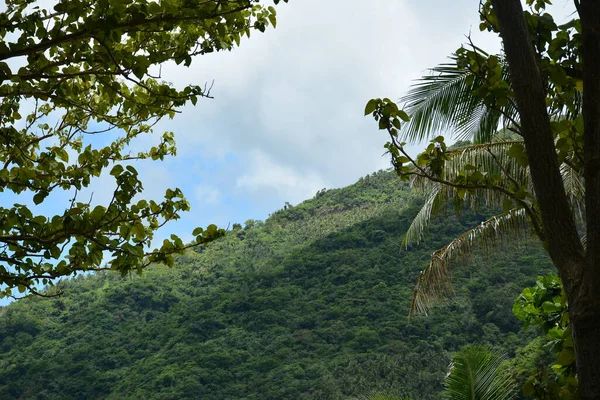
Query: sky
x=287 y=116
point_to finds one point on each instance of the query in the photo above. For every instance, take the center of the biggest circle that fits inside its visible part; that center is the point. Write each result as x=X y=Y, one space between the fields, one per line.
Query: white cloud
x=296 y=94
x=265 y=178
x=207 y=194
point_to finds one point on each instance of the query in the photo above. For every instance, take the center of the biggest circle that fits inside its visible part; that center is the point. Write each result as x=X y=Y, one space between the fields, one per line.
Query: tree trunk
x=584 y=311
x=564 y=244
x=585 y=317
x=579 y=270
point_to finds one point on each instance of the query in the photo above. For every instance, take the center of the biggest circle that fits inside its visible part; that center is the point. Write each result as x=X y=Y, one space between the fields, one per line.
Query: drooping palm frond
x=491 y=158
x=475 y=375
x=421 y=221
x=444 y=101
x=434 y=282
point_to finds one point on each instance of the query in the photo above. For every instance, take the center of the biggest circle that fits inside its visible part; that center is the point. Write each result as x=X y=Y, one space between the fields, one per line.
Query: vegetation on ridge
x=311 y=303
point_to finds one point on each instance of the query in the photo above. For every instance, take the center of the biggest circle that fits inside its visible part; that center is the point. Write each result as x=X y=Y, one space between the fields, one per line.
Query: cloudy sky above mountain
x=287 y=115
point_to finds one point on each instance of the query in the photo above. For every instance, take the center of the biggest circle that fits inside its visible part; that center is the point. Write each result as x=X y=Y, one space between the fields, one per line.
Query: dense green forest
x=310 y=304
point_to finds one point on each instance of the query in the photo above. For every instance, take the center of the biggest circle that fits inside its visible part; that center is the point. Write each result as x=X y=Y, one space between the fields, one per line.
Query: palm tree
x=445 y=101
x=475 y=374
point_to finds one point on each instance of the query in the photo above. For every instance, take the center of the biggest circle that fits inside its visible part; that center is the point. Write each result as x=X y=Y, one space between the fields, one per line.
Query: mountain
x=310 y=304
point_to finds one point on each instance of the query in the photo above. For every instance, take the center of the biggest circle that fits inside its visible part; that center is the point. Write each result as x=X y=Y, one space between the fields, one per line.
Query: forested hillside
x=310 y=304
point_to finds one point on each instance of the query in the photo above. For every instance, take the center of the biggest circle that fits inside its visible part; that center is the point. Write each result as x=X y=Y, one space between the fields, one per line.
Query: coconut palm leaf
x=435 y=199
x=475 y=375
x=575 y=189
x=443 y=101
x=491 y=158
x=434 y=282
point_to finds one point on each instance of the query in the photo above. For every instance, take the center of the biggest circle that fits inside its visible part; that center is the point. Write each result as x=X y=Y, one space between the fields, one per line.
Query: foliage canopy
x=79 y=82
x=309 y=304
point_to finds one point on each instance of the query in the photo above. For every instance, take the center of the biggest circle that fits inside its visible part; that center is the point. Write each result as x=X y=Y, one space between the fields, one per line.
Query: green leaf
x=566 y=356
x=403 y=115
x=371 y=106
x=506 y=205
x=116 y=170
x=39 y=197
x=517 y=151
x=476 y=374
x=529 y=389
x=62 y=154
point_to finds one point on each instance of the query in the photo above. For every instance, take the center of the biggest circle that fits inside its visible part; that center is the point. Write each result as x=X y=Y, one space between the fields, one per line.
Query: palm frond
x=490 y=158
x=575 y=189
x=419 y=224
x=443 y=101
x=484 y=157
x=434 y=282
x=475 y=375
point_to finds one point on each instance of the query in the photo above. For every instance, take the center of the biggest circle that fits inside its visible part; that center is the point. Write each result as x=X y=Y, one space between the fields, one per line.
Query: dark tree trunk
x=579 y=270
x=585 y=317
x=557 y=219
x=584 y=310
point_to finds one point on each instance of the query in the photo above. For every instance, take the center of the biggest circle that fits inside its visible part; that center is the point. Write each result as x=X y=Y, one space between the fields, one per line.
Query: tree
x=445 y=100
x=545 y=305
x=76 y=72
x=555 y=89
x=475 y=374
x=579 y=267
